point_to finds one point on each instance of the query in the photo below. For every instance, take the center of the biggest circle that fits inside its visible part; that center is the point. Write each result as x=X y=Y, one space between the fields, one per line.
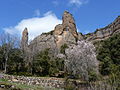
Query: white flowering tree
x=81 y=59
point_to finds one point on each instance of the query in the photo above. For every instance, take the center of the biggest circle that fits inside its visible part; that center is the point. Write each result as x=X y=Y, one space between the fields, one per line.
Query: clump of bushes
x=63 y=47
x=44 y=65
x=109 y=57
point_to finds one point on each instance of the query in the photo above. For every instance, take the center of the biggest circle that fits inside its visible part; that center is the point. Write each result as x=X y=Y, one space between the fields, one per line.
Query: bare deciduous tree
x=7 y=42
x=81 y=58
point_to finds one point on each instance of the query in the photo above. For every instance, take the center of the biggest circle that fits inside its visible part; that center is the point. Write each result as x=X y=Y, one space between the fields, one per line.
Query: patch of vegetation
x=63 y=47
x=98 y=45
x=48 y=33
x=45 y=65
x=87 y=35
x=109 y=57
x=3 y=80
x=70 y=84
x=15 y=62
x=80 y=61
x=93 y=76
x=41 y=63
x=81 y=33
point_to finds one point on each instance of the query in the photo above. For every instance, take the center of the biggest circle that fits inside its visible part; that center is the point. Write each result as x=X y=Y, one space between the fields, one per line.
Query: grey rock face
x=69 y=23
x=42 y=42
x=66 y=32
x=24 y=41
x=58 y=29
x=63 y=33
x=24 y=47
x=106 y=32
x=66 y=37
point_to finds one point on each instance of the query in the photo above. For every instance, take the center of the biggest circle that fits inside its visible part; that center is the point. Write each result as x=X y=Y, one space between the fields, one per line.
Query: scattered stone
x=2 y=86
x=14 y=80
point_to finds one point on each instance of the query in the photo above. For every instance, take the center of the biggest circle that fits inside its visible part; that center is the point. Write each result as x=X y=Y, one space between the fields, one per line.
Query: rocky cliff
x=66 y=33
x=106 y=32
x=63 y=33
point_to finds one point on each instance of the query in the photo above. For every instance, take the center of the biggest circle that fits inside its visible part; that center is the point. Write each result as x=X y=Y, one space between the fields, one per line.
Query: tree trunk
x=6 y=64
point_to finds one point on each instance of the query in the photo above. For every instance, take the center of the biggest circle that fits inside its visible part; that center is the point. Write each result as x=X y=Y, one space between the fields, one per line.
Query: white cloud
x=37 y=12
x=78 y=2
x=36 y=25
x=49 y=13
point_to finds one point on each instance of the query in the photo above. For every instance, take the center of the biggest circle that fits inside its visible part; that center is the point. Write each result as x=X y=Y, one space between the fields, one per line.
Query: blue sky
x=41 y=15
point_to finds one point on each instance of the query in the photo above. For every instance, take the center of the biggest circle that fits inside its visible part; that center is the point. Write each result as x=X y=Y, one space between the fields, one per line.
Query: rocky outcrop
x=106 y=32
x=43 y=42
x=27 y=54
x=69 y=24
x=66 y=32
x=63 y=33
x=24 y=41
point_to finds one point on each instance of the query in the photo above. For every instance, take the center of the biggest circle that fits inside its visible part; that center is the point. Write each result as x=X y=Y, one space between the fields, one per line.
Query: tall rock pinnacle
x=66 y=32
x=69 y=23
x=24 y=42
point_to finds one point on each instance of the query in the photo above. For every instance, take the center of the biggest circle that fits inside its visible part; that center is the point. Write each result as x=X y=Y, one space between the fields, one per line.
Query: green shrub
x=60 y=64
x=109 y=57
x=44 y=65
x=15 y=62
x=24 y=74
x=93 y=76
x=63 y=47
x=70 y=85
x=109 y=54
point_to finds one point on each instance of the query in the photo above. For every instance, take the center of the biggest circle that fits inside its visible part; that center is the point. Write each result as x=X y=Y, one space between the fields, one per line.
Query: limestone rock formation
x=106 y=32
x=66 y=32
x=24 y=41
x=24 y=46
x=42 y=42
x=63 y=33
x=69 y=23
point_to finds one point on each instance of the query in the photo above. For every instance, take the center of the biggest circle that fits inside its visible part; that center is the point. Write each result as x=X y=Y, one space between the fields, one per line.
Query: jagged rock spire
x=24 y=41
x=69 y=23
x=66 y=32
